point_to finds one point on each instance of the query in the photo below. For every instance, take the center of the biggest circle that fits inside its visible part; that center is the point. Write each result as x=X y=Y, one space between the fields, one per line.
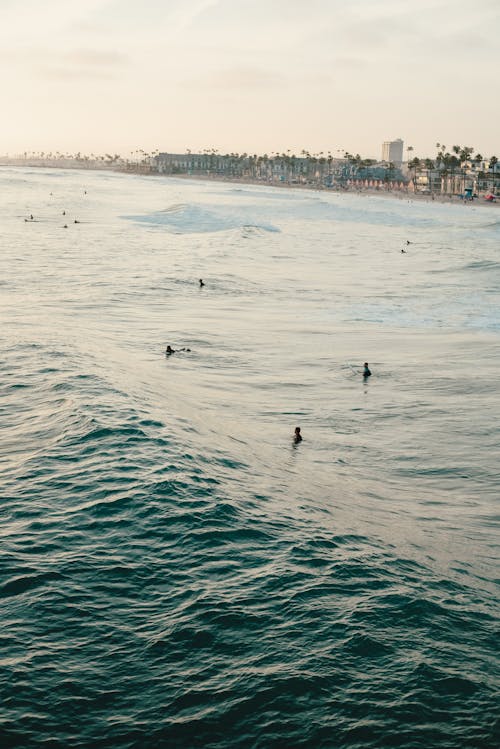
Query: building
x=392 y=150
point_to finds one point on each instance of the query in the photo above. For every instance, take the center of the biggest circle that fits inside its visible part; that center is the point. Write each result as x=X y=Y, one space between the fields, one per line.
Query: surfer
x=169 y=350
x=403 y=251
x=76 y=222
x=201 y=283
x=366 y=370
x=297 y=437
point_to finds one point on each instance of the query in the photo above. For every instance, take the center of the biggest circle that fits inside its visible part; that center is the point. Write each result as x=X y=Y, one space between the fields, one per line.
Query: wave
x=192 y=219
x=487 y=265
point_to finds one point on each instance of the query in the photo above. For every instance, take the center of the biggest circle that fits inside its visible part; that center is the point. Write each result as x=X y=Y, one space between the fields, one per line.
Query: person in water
x=297 y=437
x=169 y=350
x=201 y=283
x=366 y=370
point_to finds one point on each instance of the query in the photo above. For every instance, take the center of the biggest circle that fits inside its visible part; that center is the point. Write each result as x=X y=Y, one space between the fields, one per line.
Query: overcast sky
x=249 y=75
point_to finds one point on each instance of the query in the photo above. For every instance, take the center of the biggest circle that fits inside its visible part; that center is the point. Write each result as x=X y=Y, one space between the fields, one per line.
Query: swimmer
x=169 y=350
x=366 y=370
x=65 y=226
x=64 y=213
x=297 y=437
x=201 y=283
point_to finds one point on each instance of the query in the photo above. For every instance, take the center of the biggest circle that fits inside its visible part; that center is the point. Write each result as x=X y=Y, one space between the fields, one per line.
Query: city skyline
x=248 y=76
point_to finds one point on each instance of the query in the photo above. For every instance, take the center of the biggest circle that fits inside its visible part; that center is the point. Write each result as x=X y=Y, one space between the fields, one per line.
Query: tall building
x=392 y=150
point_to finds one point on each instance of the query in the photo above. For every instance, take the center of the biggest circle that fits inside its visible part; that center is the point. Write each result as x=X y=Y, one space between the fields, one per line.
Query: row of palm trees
x=307 y=167
x=448 y=169
x=139 y=156
x=293 y=167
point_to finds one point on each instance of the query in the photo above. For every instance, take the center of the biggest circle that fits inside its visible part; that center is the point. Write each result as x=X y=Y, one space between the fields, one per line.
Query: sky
x=256 y=76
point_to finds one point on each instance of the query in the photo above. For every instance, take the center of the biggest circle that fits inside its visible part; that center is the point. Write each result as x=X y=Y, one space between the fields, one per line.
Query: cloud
x=96 y=58
x=188 y=13
x=236 y=79
x=350 y=63
x=78 y=63
x=72 y=74
x=49 y=17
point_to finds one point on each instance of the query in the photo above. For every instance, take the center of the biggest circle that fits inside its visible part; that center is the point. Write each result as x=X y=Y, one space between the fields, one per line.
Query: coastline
x=401 y=194
x=365 y=192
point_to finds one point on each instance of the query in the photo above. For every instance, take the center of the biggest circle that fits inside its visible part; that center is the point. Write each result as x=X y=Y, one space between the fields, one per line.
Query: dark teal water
x=173 y=571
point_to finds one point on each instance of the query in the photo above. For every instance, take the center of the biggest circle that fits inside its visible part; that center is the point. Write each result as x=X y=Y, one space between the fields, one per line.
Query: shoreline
x=365 y=192
x=401 y=194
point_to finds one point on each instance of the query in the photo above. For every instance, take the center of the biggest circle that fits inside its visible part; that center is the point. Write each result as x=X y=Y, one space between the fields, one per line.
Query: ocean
x=174 y=571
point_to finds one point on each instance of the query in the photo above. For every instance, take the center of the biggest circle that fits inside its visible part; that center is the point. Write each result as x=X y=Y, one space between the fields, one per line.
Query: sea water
x=175 y=572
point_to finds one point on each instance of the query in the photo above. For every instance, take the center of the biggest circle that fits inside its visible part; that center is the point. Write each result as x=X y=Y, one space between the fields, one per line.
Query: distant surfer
x=201 y=283
x=64 y=213
x=76 y=222
x=169 y=350
x=408 y=241
x=403 y=251
x=297 y=437
x=366 y=370
x=65 y=226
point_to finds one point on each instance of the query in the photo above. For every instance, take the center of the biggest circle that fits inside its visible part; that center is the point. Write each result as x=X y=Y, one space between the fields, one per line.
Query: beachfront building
x=453 y=176
x=392 y=151
x=283 y=168
x=318 y=170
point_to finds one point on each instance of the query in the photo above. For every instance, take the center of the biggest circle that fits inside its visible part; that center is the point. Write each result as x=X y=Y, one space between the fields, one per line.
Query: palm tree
x=465 y=156
x=454 y=163
x=414 y=164
x=389 y=174
x=493 y=163
x=429 y=165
